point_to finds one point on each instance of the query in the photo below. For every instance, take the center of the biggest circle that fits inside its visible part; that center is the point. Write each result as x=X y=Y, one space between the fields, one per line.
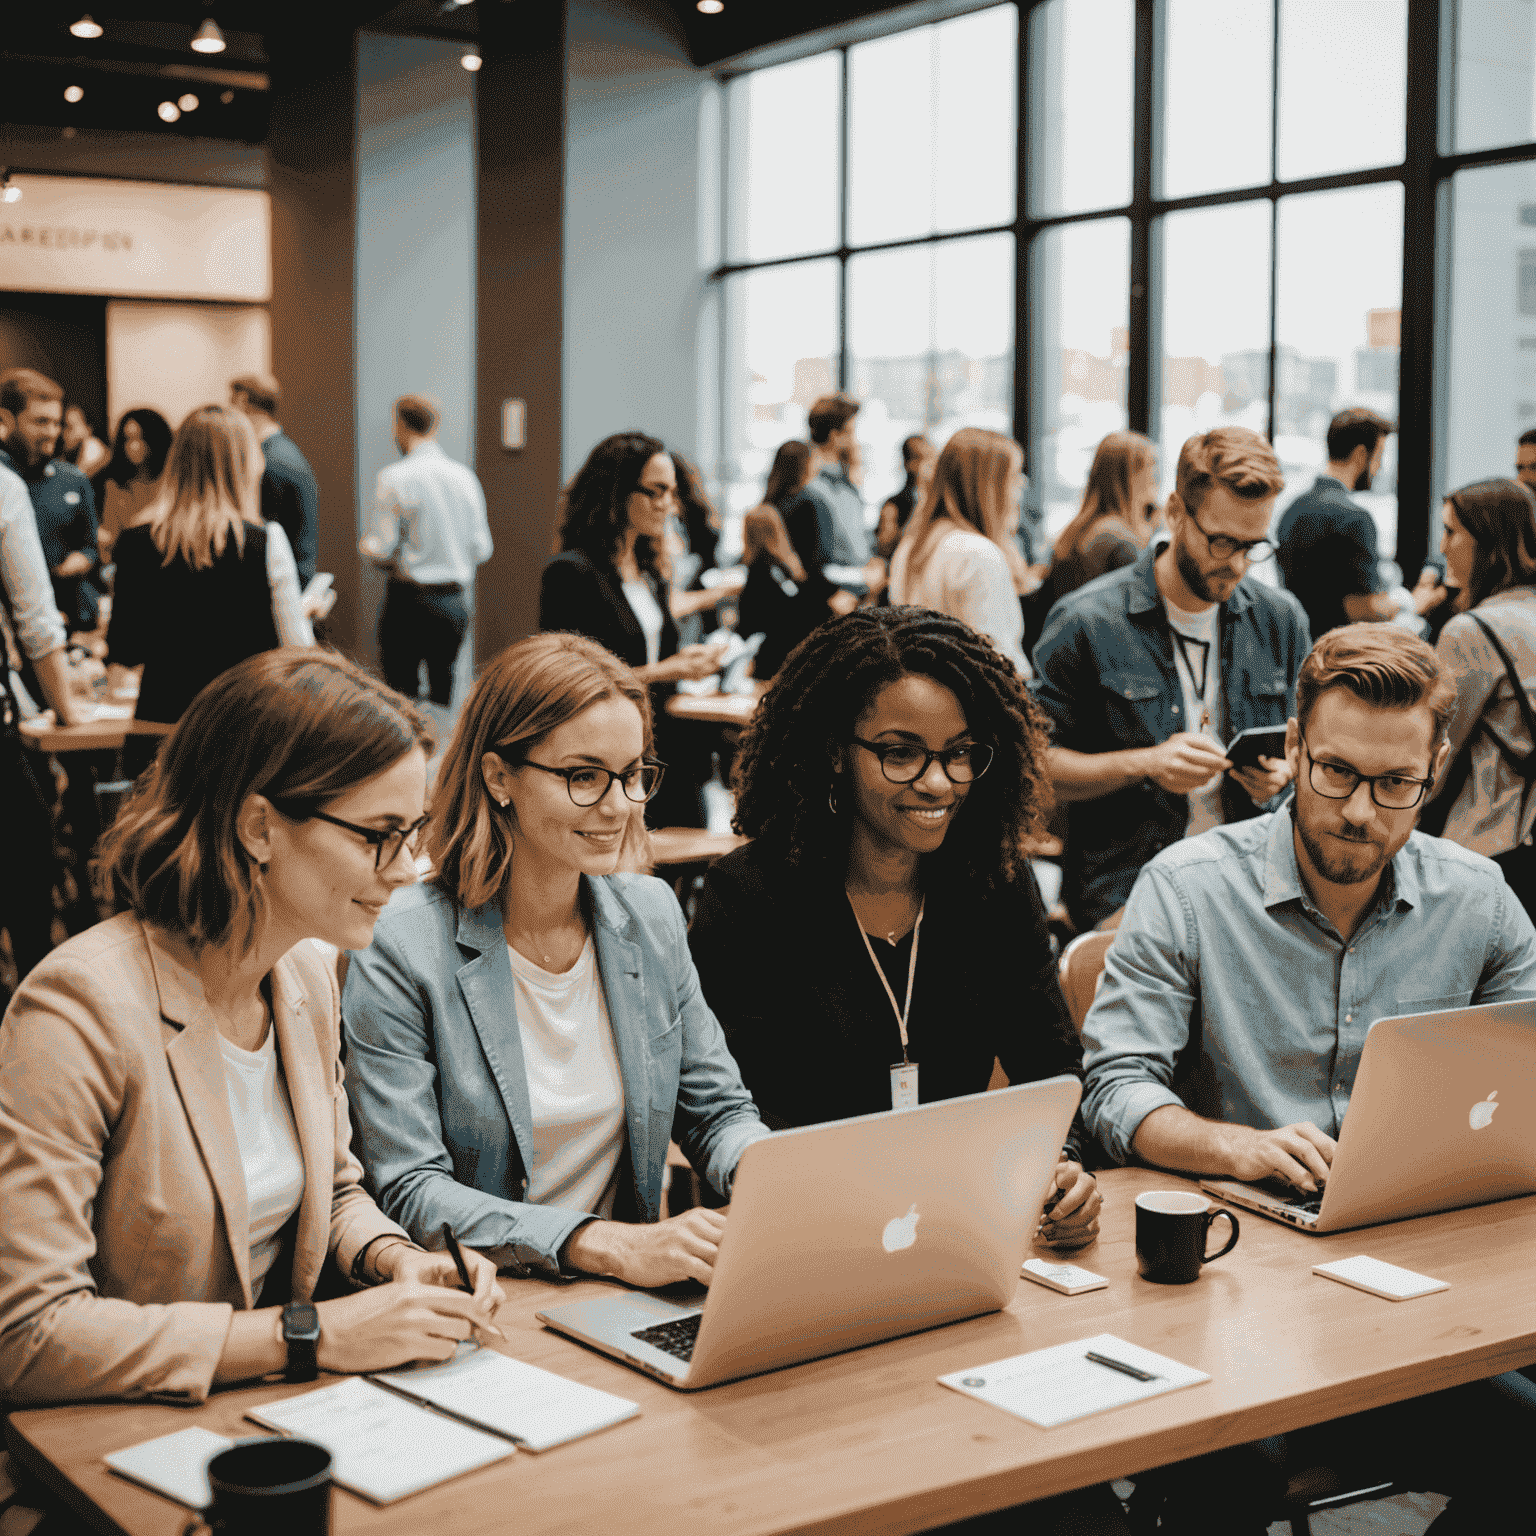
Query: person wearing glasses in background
x=1146 y=673
x=1227 y=1033
x=527 y=1032
x=174 y=1135
x=607 y=583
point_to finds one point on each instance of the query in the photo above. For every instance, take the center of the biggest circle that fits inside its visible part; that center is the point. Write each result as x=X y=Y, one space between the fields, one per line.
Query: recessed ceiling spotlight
x=188 y=103
x=471 y=60
x=226 y=97
x=73 y=93
x=168 y=111
x=85 y=27
x=711 y=7
x=208 y=39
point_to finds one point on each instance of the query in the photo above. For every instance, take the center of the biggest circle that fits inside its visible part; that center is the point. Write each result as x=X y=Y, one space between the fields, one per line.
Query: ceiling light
x=711 y=7
x=85 y=27
x=209 y=39
x=471 y=60
x=73 y=93
x=226 y=97
x=168 y=111
x=188 y=103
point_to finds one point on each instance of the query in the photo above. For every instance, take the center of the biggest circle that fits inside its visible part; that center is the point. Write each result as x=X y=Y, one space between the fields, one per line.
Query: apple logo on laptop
x=1482 y=1113
x=900 y=1231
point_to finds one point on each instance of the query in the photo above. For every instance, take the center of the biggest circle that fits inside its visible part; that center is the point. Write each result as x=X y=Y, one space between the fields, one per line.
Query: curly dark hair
x=698 y=513
x=594 y=507
x=783 y=775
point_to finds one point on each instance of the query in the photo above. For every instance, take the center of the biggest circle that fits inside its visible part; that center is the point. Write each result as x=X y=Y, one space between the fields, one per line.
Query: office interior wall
x=176 y=357
x=415 y=307
x=641 y=195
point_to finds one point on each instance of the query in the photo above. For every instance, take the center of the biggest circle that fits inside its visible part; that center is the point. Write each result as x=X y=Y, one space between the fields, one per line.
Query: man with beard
x=1327 y=540
x=1227 y=1033
x=1146 y=672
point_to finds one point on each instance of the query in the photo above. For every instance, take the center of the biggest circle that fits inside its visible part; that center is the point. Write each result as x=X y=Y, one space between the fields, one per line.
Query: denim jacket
x=440 y=1094
x=1104 y=673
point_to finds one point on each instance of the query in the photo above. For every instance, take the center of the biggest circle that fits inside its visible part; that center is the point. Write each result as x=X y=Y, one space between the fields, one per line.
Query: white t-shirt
x=1197 y=661
x=269 y=1147
x=648 y=611
x=966 y=577
x=575 y=1089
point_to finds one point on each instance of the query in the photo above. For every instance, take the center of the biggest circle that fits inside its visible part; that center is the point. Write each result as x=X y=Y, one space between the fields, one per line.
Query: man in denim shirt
x=1146 y=672
x=1251 y=961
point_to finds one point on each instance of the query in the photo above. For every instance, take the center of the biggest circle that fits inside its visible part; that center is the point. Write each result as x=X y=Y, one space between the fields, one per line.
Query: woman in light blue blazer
x=527 y=1033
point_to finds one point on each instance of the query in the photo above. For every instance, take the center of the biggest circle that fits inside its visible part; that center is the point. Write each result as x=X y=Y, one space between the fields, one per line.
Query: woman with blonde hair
x=1117 y=516
x=780 y=600
x=527 y=1033
x=175 y=1164
x=202 y=582
x=959 y=555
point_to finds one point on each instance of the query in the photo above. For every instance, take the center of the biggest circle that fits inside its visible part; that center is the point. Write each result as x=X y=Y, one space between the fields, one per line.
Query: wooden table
x=107 y=732
x=714 y=708
x=869 y=1442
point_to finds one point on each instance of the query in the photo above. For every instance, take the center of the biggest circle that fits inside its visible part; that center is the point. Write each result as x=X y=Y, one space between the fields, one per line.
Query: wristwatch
x=301 y=1333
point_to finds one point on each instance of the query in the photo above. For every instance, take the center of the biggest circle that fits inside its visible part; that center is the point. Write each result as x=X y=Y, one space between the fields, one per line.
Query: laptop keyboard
x=676 y=1338
x=1288 y=1194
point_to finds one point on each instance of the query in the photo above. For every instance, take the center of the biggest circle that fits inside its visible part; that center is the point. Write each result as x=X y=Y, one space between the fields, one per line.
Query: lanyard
x=1200 y=683
x=902 y=1014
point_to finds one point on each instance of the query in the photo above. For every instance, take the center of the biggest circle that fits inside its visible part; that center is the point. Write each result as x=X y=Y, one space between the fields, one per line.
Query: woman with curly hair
x=607 y=583
x=885 y=908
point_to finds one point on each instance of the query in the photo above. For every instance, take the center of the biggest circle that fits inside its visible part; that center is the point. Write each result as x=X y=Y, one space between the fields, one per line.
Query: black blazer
x=578 y=594
x=783 y=967
x=187 y=625
x=786 y=619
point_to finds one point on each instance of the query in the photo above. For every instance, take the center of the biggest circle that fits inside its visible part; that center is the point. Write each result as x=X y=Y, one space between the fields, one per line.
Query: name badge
x=71 y=498
x=904 y=1085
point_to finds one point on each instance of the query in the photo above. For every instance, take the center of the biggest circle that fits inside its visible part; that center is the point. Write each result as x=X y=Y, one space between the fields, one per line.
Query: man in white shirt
x=429 y=532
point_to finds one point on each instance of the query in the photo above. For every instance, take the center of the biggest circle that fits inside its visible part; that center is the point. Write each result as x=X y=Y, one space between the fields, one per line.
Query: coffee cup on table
x=264 y=1486
x=1171 y=1235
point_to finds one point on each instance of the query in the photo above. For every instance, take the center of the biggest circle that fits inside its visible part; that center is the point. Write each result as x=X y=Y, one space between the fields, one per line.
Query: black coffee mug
x=1171 y=1228
x=262 y=1486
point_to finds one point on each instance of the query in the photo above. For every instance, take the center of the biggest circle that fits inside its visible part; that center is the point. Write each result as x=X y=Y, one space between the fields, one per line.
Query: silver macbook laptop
x=848 y=1233
x=1443 y=1114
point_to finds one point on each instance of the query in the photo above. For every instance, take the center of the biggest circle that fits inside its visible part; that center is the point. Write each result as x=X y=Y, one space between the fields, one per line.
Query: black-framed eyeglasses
x=1223 y=548
x=904 y=762
x=1337 y=781
x=588 y=784
x=385 y=841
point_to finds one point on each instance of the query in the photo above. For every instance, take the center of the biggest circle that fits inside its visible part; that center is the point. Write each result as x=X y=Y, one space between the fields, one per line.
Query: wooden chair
x=1082 y=963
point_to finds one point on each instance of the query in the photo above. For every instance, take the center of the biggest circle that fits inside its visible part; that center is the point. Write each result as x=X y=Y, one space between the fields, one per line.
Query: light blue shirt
x=1225 y=979
x=429 y=518
x=24 y=572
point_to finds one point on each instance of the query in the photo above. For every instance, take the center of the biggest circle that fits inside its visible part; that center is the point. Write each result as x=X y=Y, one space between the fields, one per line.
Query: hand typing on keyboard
x=1299 y=1154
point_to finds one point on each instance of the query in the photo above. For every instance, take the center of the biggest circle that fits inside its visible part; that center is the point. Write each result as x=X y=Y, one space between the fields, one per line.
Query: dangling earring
x=832 y=799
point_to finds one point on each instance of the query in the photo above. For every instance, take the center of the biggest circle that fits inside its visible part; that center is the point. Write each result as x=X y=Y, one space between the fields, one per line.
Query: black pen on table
x=1121 y=1366
x=458 y=1257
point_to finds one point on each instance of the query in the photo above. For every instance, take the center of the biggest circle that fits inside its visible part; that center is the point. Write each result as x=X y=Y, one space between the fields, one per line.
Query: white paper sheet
x=536 y=1407
x=1053 y=1386
x=175 y=1465
x=1389 y=1281
x=382 y=1446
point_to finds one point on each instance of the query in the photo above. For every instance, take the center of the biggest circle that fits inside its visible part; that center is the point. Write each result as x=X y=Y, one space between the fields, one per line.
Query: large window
x=1217 y=211
x=869 y=234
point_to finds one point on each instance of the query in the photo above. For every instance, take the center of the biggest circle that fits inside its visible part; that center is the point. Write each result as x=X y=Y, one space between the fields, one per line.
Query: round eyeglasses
x=1337 y=781
x=588 y=784
x=386 y=842
x=903 y=762
x=1221 y=547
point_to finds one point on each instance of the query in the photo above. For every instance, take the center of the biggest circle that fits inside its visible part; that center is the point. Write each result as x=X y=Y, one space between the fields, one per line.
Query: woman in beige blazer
x=158 y=1209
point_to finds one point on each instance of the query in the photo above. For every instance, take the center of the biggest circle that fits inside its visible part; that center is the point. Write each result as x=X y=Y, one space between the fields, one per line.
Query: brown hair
x=417 y=414
x=1357 y=427
x=21 y=386
x=209 y=489
x=1108 y=492
x=829 y=413
x=791 y=469
x=296 y=725
x=1235 y=458
x=262 y=390
x=969 y=488
x=1501 y=516
x=529 y=689
x=763 y=533
x=1381 y=665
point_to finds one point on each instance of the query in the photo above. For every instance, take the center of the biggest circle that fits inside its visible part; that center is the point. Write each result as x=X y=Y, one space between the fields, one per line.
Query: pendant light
x=209 y=38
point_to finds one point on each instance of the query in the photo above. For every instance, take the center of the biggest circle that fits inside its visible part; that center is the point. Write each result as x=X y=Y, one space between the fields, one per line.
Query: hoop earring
x=832 y=799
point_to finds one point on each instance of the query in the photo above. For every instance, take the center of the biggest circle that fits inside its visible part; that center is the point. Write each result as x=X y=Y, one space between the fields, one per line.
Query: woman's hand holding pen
x=1071 y=1218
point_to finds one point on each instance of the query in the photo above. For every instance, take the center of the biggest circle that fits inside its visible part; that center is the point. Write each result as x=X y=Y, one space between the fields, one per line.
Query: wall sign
x=69 y=234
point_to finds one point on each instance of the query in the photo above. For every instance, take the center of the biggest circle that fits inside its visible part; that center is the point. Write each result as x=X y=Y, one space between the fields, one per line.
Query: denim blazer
x=439 y=1090
x=1104 y=673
